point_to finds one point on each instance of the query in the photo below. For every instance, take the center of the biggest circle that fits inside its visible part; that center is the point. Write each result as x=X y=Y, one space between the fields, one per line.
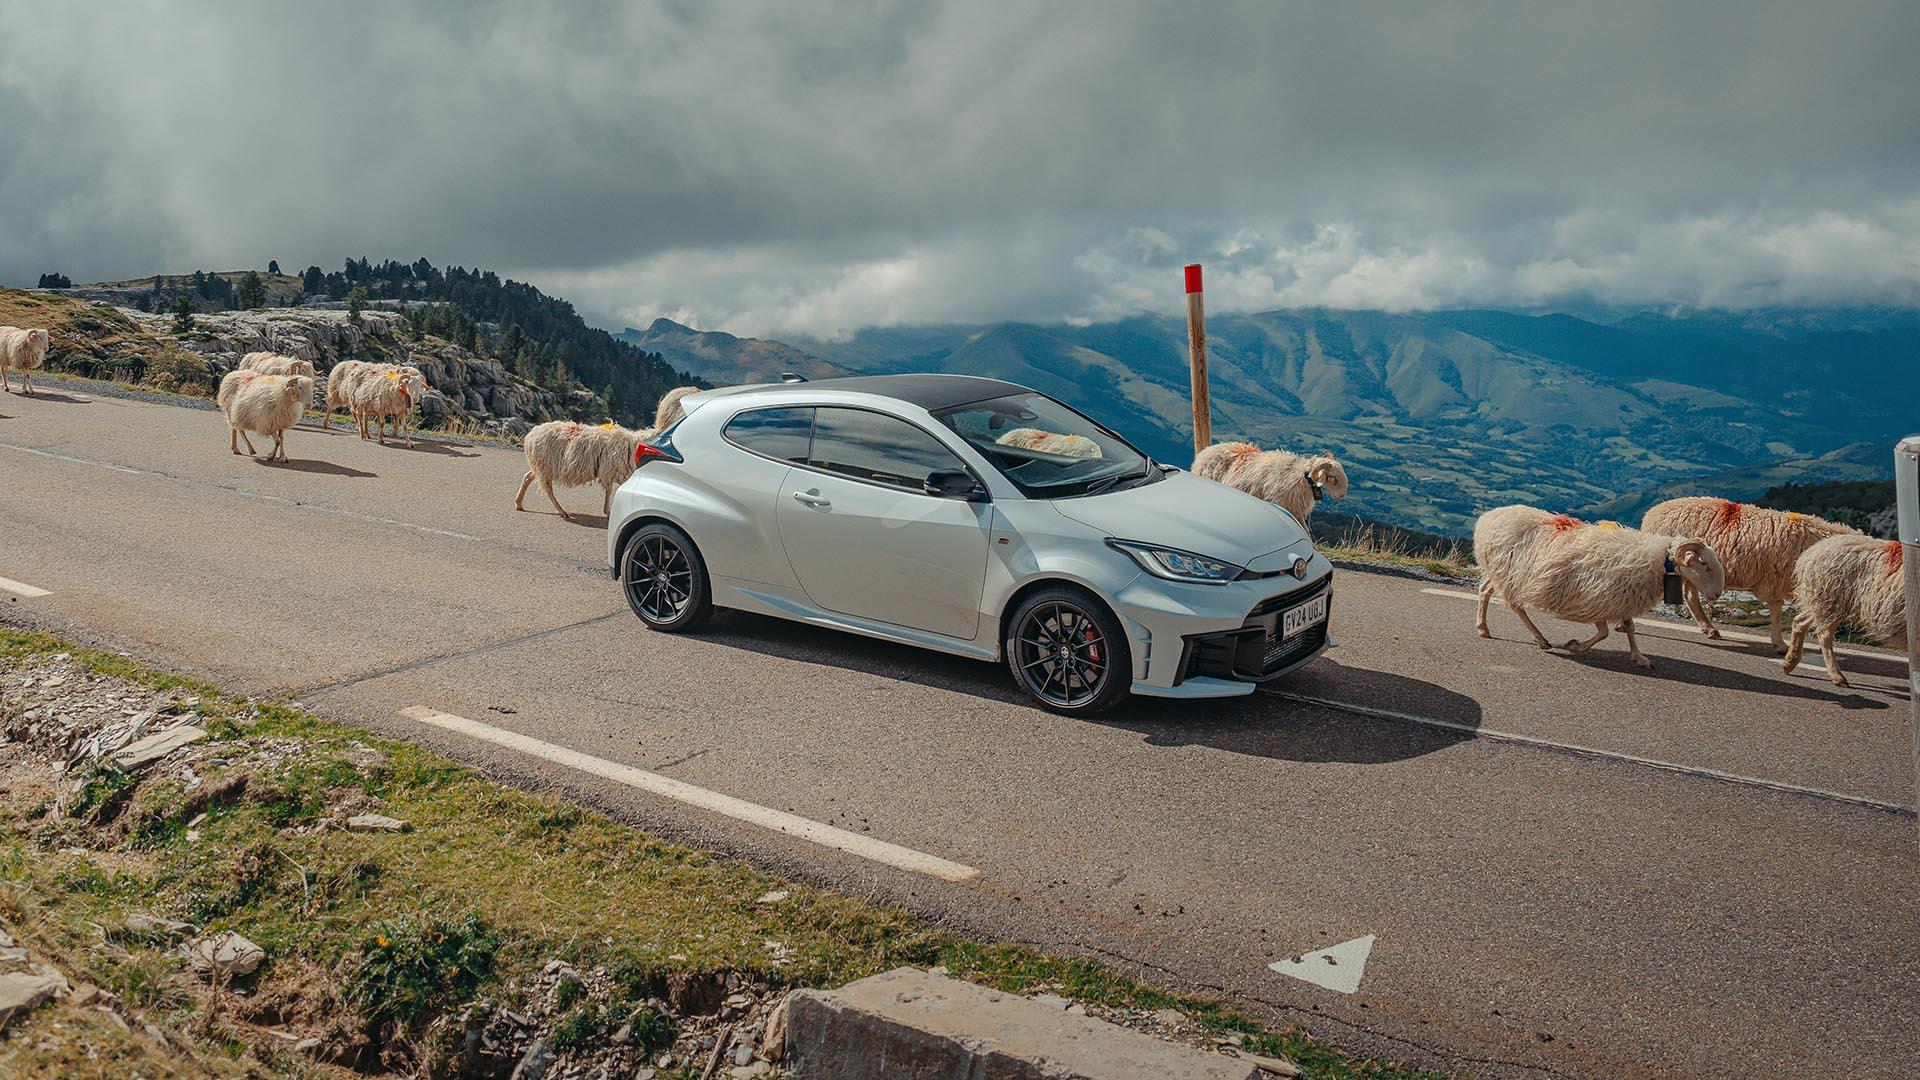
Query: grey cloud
x=808 y=168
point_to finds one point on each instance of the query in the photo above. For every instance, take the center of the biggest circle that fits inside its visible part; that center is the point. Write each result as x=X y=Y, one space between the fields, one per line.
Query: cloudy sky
x=811 y=168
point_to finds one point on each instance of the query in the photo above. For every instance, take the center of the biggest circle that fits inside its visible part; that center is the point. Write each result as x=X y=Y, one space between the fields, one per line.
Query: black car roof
x=930 y=392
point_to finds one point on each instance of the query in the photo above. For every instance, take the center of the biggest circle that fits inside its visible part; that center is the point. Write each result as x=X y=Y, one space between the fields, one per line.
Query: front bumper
x=1210 y=641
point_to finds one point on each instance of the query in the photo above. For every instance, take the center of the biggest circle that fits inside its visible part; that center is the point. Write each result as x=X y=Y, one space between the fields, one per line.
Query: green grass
x=489 y=883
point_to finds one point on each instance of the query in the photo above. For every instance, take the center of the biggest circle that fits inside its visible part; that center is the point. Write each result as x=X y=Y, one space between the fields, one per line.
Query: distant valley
x=1441 y=415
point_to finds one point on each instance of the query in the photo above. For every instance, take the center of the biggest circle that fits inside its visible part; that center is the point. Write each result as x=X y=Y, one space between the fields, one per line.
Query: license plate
x=1295 y=619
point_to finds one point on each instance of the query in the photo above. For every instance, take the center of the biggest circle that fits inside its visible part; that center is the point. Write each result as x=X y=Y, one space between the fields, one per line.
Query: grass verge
x=385 y=946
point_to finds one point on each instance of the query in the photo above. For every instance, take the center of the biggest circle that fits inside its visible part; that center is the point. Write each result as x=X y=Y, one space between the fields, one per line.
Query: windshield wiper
x=1107 y=483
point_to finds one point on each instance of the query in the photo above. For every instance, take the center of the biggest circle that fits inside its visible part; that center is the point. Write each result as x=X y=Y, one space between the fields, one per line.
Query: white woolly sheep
x=670 y=408
x=23 y=349
x=267 y=363
x=1530 y=558
x=1757 y=545
x=1848 y=581
x=573 y=454
x=262 y=404
x=340 y=383
x=1048 y=442
x=388 y=392
x=1290 y=481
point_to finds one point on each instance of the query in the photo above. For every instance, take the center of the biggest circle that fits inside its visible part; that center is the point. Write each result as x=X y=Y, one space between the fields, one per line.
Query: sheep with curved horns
x=267 y=363
x=23 y=349
x=387 y=393
x=572 y=454
x=1290 y=481
x=1848 y=580
x=1530 y=558
x=1048 y=442
x=262 y=404
x=670 y=410
x=1758 y=546
x=340 y=383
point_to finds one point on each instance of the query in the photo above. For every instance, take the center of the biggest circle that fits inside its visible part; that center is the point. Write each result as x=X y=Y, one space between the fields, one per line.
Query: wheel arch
x=1033 y=585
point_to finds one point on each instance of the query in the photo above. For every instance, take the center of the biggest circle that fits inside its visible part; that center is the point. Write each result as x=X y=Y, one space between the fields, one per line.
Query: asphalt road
x=1568 y=867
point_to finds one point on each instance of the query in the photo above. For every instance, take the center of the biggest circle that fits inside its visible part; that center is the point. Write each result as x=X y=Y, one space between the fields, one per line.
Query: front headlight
x=1177 y=565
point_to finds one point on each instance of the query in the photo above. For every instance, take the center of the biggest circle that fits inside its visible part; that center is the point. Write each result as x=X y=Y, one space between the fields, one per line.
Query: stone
x=535 y=1062
x=742 y=1053
x=773 y=897
x=376 y=823
x=157 y=745
x=749 y=1070
x=1277 y=1066
x=773 y=1042
x=1051 y=1001
x=911 y=1025
x=225 y=955
x=22 y=992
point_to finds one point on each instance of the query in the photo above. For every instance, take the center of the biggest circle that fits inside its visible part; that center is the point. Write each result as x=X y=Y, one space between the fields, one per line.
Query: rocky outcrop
x=462 y=387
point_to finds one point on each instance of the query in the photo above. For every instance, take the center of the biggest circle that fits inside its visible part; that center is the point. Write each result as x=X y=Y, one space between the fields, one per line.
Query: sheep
x=1848 y=580
x=1581 y=573
x=1758 y=545
x=267 y=363
x=1048 y=442
x=23 y=349
x=340 y=383
x=670 y=409
x=265 y=404
x=1290 y=481
x=387 y=392
x=571 y=454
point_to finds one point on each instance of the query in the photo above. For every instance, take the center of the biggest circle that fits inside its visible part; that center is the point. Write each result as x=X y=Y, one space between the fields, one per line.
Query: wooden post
x=1197 y=362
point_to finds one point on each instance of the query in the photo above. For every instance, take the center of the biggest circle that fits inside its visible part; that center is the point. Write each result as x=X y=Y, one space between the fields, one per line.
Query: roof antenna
x=792 y=376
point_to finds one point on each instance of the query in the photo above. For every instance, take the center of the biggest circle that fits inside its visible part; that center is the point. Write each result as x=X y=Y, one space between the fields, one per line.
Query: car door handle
x=811 y=499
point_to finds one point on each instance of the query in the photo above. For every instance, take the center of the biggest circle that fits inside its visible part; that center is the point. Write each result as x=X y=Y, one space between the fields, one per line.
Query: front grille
x=1247 y=654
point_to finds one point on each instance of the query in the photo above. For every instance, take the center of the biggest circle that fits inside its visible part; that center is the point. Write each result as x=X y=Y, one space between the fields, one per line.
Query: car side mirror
x=953 y=484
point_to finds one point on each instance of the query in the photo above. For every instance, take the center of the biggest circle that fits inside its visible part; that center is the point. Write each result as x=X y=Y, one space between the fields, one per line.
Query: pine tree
x=356 y=303
x=182 y=315
x=253 y=292
x=273 y=266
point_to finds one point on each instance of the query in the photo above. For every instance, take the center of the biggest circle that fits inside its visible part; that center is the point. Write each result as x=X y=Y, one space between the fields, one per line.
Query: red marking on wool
x=1562 y=523
x=1729 y=514
x=1895 y=556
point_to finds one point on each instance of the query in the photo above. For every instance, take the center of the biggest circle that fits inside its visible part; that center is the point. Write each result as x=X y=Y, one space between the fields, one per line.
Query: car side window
x=777 y=433
x=876 y=448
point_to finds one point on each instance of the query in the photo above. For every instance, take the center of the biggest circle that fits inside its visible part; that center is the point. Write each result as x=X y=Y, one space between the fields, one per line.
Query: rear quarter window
x=777 y=433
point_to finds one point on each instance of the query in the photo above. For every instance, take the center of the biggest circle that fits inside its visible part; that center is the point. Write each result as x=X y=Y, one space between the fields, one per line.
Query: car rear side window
x=876 y=448
x=777 y=433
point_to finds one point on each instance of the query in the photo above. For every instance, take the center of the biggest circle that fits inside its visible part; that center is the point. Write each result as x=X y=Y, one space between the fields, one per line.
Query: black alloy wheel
x=665 y=579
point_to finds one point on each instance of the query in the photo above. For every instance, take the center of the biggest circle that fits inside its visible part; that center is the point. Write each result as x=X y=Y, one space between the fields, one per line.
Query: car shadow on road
x=310 y=465
x=1259 y=725
x=1282 y=720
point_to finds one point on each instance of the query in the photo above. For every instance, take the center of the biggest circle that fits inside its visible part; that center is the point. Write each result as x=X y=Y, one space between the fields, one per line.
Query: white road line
x=1497 y=735
x=21 y=588
x=726 y=805
x=1733 y=635
x=1337 y=967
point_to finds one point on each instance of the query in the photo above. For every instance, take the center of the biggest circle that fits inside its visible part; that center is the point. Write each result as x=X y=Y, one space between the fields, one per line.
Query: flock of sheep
x=1606 y=574
x=1601 y=573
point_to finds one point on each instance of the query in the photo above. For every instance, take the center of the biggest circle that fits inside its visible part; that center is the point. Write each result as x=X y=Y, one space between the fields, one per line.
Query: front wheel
x=1069 y=652
x=665 y=579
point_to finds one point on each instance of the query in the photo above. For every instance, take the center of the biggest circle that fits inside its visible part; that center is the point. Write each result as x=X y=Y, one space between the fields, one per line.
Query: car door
x=865 y=540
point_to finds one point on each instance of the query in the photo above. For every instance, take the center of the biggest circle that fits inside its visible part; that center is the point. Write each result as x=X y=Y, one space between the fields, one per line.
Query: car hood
x=1184 y=511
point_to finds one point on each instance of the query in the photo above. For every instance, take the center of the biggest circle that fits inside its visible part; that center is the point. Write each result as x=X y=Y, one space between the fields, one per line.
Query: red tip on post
x=1193 y=278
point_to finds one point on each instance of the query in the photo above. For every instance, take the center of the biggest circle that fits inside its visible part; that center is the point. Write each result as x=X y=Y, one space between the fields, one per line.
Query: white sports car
x=971 y=516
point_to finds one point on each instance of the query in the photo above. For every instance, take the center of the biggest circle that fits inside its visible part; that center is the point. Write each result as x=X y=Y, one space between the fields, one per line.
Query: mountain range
x=1441 y=415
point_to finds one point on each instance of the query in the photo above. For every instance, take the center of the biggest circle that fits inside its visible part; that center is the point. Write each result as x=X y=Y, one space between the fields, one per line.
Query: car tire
x=665 y=579
x=1095 y=670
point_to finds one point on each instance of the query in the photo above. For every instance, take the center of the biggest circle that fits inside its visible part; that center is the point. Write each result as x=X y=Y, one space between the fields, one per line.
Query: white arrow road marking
x=779 y=821
x=21 y=588
x=1337 y=967
x=1731 y=635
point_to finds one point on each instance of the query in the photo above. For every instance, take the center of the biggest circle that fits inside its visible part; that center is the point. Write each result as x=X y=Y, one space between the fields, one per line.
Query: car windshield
x=1048 y=450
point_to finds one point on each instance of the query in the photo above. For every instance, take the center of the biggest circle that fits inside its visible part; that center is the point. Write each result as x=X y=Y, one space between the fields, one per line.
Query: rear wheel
x=665 y=579
x=1069 y=652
